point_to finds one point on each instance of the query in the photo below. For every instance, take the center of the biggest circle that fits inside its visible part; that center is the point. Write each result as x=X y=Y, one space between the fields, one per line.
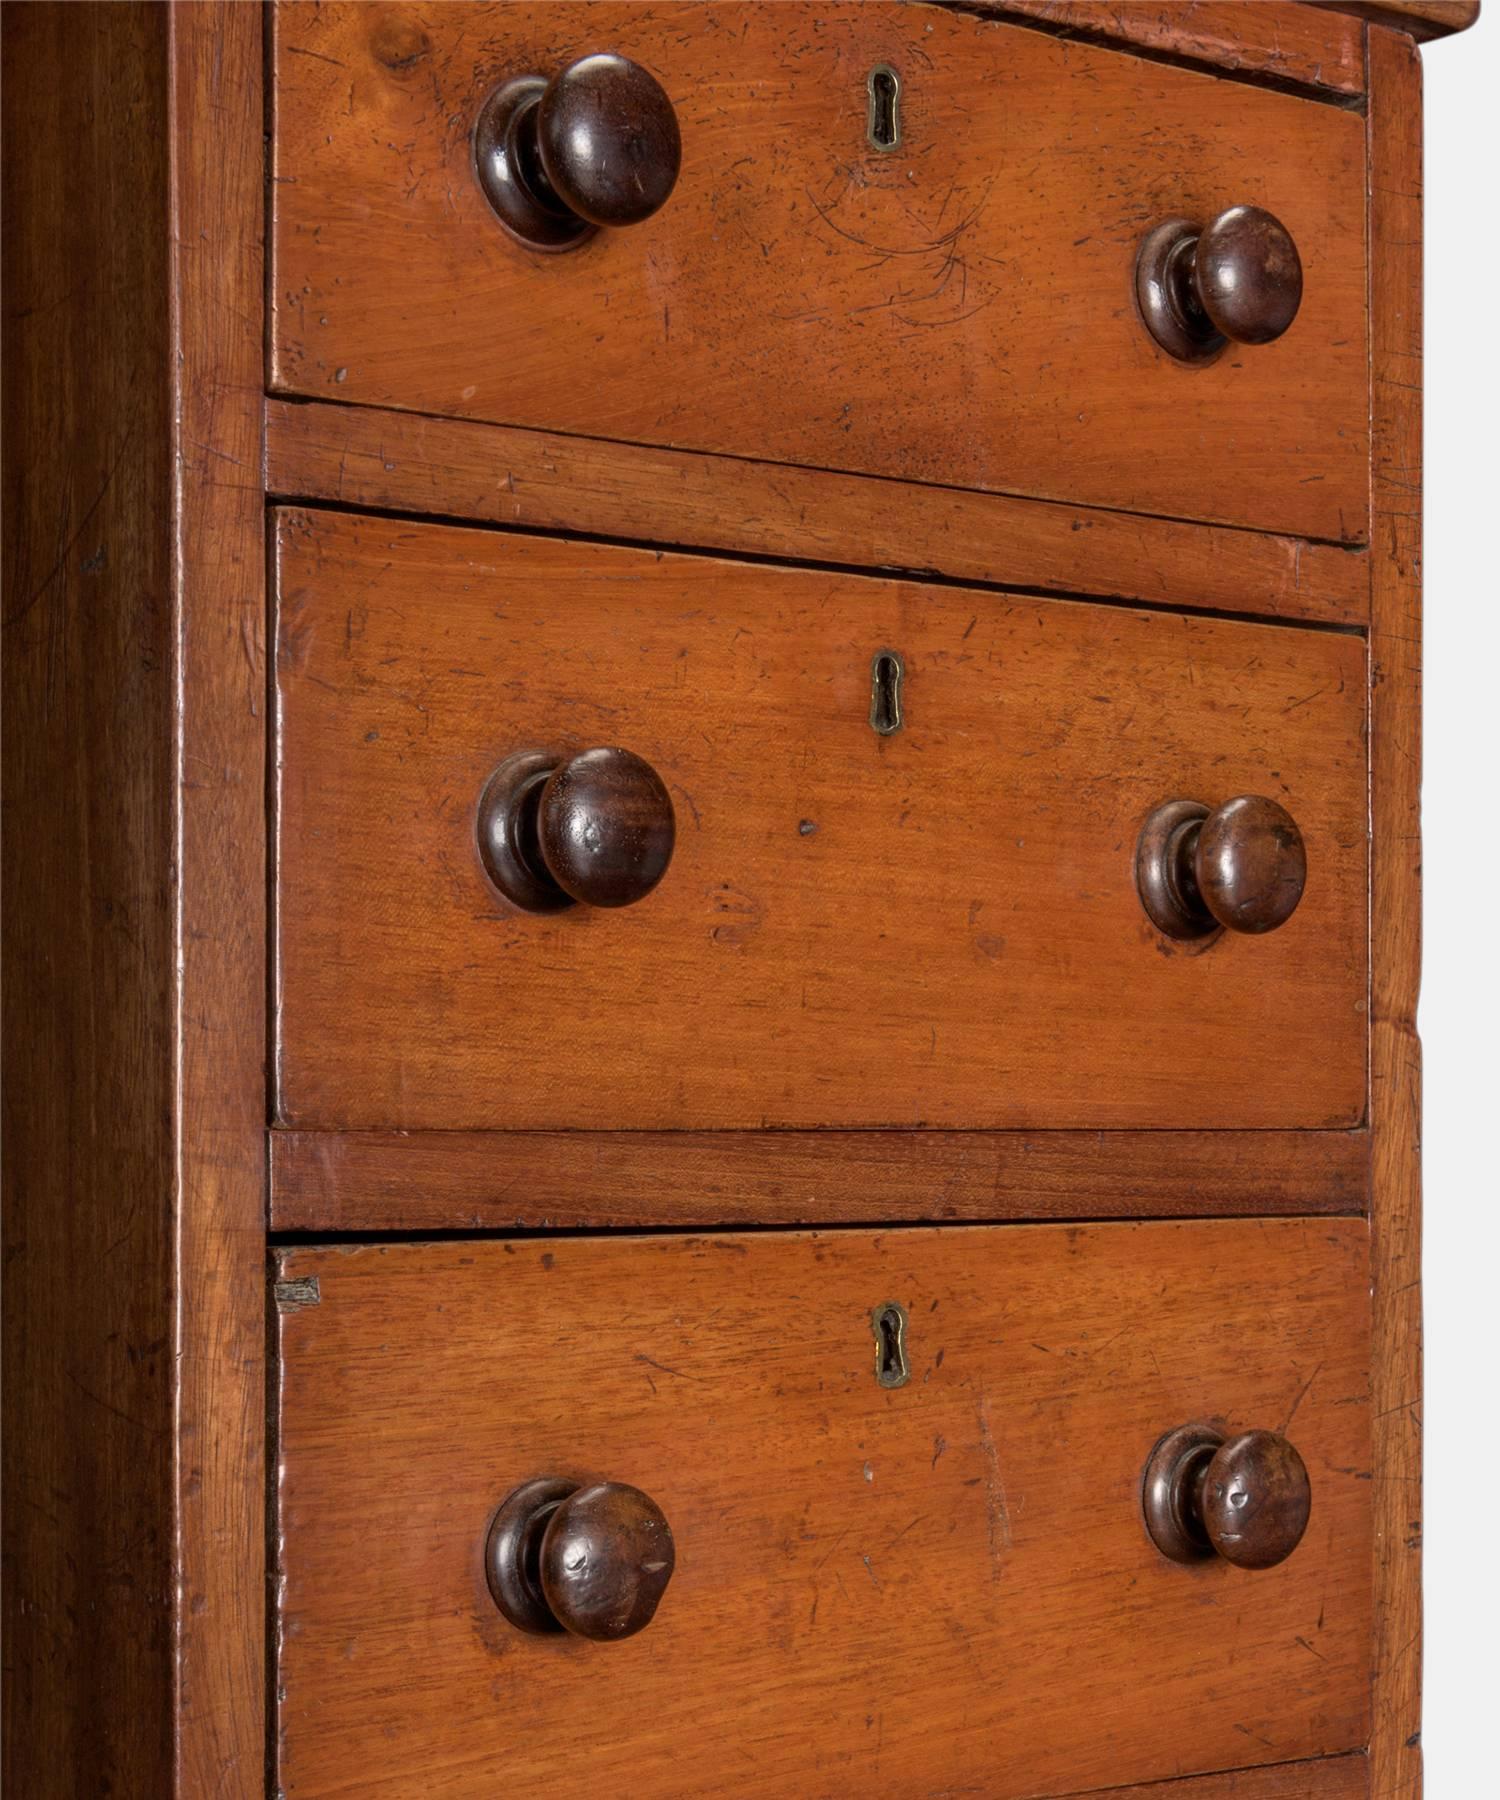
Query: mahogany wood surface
x=935 y=1586
x=506 y=1180
x=939 y=927
x=400 y=462
x=135 y=1082
x=958 y=311
x=1395 y=126
x=1265 y=41
x=88 y=920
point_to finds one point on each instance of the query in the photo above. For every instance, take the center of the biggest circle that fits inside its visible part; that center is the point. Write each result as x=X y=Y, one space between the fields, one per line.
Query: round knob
x=596 y=145
x=1242 y=866
x=596 y=828
x=593 y=1560
x=1239 y=277
x=1246 y=1498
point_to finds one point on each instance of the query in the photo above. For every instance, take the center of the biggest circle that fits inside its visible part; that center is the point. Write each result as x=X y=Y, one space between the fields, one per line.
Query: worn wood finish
x=398 y=462
x=959 y=312
x=498 y=1181
x=134 y=911
x=874 y=1558
x=1266 y=41
x=1395 y=124
x=939 y=927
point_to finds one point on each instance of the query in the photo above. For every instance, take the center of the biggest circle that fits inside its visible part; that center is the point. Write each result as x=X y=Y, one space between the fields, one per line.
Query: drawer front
x=936 y=926
x=941 y=1586
x=958 y=310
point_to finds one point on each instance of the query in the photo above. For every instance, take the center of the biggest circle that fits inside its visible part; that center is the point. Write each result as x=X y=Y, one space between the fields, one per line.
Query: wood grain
x=1395 y=125
x=939 y=927
x=221 y=1076
x=946 y=1584
x=134 y=914
x=959 y=312
x=401 y=462
x=1268 y=41
x=88 y=906
x=497 y=1181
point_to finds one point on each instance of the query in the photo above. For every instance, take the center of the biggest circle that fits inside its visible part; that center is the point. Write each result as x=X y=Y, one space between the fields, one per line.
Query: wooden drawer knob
x=596 y=828
x=596 y=145
x=592 y=1560
x=1244 y=1498
x=1241 y=866
x=1237 y=278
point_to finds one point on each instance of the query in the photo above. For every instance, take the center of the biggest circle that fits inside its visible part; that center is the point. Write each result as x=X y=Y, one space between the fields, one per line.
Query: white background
x=1460 y=988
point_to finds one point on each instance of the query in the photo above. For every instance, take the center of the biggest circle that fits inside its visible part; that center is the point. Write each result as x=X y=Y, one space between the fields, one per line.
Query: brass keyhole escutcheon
x=888 y=1322
x=884 y=124
x=887 y=672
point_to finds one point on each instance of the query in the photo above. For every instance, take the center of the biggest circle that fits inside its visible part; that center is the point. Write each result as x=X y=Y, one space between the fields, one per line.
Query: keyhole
x=884 y=89
x=885 y=692
x=889 y=1325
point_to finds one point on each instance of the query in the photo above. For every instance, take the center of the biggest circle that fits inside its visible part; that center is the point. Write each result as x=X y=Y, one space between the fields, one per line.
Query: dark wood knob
x=596 y=828
x=1237 y=278
x=596 y=145
x=593 y=1560
x=1241 y=867
x=1246 y=1498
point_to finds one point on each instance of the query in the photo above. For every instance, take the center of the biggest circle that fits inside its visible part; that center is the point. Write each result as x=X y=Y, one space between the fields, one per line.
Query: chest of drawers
x=712 y=899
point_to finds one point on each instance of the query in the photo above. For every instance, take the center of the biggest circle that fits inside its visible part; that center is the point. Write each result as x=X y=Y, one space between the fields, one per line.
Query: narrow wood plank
x=1395 y=128
x=1272 y=40
x=497 y=1181
x=402 y=462
x=220 y=677
x=947 y=1583
x=938 y=927
x=958 y=311
x=88 y=1163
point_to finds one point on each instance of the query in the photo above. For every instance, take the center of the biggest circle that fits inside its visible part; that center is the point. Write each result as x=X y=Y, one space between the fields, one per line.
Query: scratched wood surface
x=940 y=927
x=914 y=1590
x=457 y=468
x=959 y=311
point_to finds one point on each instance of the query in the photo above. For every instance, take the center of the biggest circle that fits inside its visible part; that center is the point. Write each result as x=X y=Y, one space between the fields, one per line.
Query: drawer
x=939 y=1586
x=957 y=310
x=938 y=925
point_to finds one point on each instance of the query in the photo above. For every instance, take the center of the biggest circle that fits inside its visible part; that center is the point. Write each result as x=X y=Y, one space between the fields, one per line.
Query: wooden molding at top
x=1421 y=19
x=1276 y=43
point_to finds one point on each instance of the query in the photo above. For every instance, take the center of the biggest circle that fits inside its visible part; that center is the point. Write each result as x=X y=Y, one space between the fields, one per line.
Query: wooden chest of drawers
x=712 y=899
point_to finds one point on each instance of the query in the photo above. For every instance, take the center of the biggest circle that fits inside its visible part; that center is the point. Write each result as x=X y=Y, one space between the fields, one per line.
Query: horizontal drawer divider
x=419 y=1182
x=374 y=459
